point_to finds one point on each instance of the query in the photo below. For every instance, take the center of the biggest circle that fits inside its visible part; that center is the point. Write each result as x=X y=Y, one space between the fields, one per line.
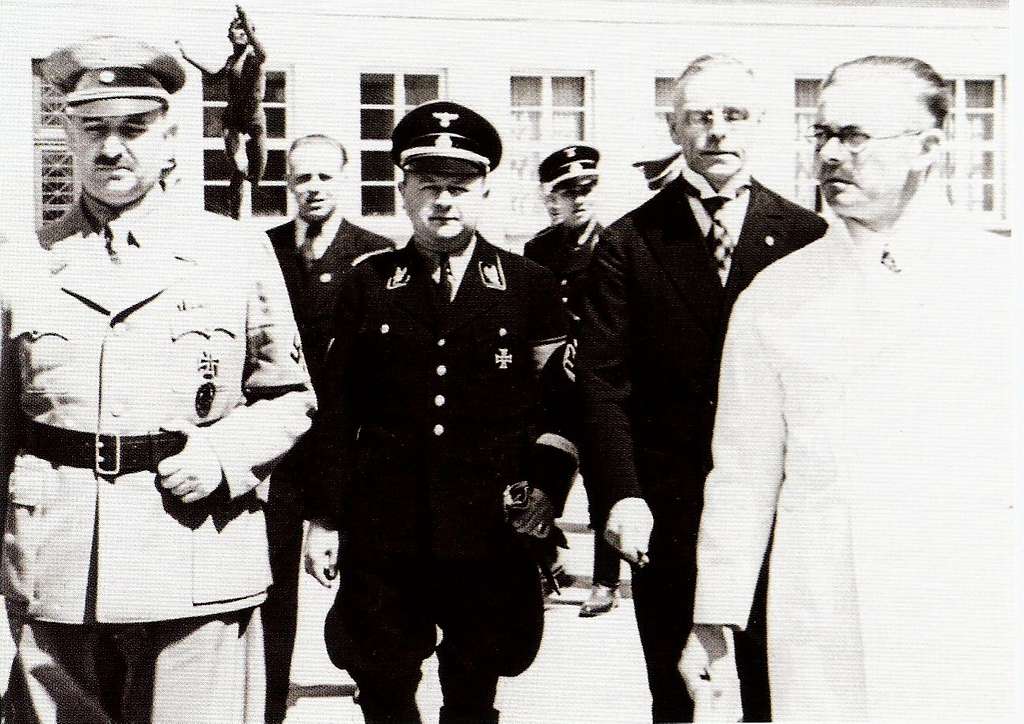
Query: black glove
x=529 y=512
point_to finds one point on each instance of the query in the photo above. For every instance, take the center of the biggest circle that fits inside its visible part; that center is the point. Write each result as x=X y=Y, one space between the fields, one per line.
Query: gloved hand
x=529 y=512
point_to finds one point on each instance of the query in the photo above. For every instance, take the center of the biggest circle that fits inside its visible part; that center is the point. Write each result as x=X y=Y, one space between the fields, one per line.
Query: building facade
x=548 y=74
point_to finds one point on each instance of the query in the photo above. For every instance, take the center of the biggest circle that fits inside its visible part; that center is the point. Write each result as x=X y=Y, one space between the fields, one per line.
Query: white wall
x=624 y=44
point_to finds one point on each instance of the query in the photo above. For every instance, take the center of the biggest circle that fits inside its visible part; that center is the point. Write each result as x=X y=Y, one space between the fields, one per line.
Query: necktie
x=889 y=263
x=444 y=281
x=719 y=240
x=313 y=230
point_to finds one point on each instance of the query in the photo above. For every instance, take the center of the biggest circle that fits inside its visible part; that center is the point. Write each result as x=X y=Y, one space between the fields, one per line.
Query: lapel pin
x=399 y=279
x=769 y=240
x=492 y=275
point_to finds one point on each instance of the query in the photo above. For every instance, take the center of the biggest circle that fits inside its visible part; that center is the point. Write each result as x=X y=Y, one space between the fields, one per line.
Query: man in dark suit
x=314 y=250
x=657 y=300
x=568 y=178
x=431 y=419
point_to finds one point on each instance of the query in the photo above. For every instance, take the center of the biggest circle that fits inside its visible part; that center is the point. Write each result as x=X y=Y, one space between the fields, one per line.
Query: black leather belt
x=106 y=454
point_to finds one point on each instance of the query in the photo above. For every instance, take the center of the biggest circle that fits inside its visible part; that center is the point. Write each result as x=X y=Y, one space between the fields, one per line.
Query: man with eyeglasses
x=866 y=417
x=656 y=300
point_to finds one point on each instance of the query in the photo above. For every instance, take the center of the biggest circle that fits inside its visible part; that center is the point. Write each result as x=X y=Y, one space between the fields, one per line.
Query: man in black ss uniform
x=431 y=409
x=568 y=178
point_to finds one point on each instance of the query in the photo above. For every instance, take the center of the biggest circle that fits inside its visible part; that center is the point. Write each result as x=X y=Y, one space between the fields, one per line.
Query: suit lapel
x=474 y=296
x=762 y=240
x=407 y=286
x=675 y=240
x=283 y=240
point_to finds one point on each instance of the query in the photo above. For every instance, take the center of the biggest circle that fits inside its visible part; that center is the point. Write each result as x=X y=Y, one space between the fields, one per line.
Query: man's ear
x=670 y=119
x=171 y=136
x=932 y=144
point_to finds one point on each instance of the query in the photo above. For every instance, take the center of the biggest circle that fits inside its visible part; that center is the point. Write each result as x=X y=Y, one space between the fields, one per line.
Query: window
x=270 y=197
x=55 y=191
x=975 y=164
x=383 y=99
x=806 y=91
x=664 y=99
x=547 y=112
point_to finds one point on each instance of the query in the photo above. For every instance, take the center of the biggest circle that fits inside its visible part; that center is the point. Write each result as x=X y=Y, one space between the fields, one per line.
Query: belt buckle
x=103 y=454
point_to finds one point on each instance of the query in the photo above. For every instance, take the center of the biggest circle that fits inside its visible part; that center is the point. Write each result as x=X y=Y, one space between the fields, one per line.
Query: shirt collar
x=699 y=186
x=327 y=232
x=138 y=218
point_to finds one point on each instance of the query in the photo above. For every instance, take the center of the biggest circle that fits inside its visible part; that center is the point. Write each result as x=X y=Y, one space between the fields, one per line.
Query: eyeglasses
x=853 y=140
x=704 y=118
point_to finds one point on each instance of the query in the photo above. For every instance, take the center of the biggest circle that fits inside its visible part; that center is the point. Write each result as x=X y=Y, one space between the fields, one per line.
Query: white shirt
x=457 y=261
x=733 y=211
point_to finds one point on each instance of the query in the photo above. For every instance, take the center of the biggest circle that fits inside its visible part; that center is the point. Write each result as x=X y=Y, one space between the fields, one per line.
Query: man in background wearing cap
x=656 y=303
x=569 y=176
x=244 y=85
x=156 y=393
x=314 y=250
x=431 y=414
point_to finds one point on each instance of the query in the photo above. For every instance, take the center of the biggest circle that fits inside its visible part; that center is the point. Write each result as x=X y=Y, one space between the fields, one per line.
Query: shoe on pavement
x=602 y=600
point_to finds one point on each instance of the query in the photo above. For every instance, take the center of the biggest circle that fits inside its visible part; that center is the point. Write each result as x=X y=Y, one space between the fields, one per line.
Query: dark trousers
x=663 y=602
x=383 y=625
x=284 y=533
x=606 y=561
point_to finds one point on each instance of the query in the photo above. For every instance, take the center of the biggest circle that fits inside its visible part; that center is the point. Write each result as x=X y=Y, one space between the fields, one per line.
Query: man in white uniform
x=866 y=407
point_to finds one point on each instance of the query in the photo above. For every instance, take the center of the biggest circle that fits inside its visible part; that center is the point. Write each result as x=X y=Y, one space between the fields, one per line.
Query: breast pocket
x=44 y=346
x=206 y=364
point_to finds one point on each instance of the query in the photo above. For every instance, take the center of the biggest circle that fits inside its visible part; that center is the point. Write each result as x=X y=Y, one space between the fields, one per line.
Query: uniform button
x=385 y=328
x=439 y=430
x=326 y=277
x=565 y=300
x=439 y=401
x=120 y=328
x=442 y=370
x=116 y=412
x=564 y=282
x=440 y=342
x=502 y=332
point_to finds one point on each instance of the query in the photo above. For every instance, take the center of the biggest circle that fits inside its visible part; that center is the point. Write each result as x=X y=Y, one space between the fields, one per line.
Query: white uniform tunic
x=872 y=413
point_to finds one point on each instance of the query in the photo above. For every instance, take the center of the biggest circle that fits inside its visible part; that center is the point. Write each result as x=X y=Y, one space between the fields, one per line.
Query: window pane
x=982 y=165
x=212 y=121
x=275 y=165
x=269 y=201
x=806 y=92
x=526 y=90
x=214 y=89
x=377 y=166
x=275 y=122
x=988 y=197
x=567 y=126
x=664 y=91
x=524 y=167
x=951 y=90
x=376 y=123
x=567 y=91
x=57 y=182
x=51 y=104
x=274 y=91
x=378 y=200
x=980 y=93
x=215 y=165
x=215 y=199
x=981 y=126
x=420 y=89
x=377 y=89
x=525 y=126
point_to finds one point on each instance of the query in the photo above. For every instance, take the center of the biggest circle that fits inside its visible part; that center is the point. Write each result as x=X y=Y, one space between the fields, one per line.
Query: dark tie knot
x=714 y=204
x=313 y=229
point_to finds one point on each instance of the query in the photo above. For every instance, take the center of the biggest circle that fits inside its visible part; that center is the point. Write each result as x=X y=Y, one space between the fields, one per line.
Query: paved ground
x=588 y=670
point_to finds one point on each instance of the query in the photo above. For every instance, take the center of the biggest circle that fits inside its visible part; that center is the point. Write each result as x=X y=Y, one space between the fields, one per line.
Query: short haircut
x=933 y=93
x=700 y=64
x=321 y=139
